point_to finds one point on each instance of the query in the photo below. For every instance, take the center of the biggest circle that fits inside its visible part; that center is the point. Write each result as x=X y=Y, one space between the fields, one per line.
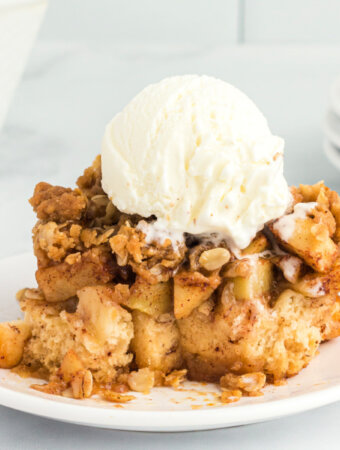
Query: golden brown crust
x=57 y=203
x=54 y=243
x=106 y=291
x=91 y=181
x=154 y=262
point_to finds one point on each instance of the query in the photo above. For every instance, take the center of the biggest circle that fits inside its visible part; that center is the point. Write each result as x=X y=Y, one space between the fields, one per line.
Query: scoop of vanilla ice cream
x=197 y=153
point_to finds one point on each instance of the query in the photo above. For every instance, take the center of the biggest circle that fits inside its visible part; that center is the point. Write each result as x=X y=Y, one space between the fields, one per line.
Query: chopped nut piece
x=32 y=294
x=142 y=380
x=231 y=396
x=195 y=253
x=119 y=388
x=100 y=199
x=72 y=372
x=94 y=237
x=73 y=258
x=114 y=397
x=214 y=259
x=54 y=387
x=255 y=394
x=248 y=383
x=175 y=378
x=82 y=384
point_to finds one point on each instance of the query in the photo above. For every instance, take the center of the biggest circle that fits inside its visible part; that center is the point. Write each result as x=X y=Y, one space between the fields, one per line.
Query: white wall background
x=201 y=22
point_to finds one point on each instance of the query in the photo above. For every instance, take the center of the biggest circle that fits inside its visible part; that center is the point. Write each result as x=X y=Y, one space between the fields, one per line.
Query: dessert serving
x=181 y=253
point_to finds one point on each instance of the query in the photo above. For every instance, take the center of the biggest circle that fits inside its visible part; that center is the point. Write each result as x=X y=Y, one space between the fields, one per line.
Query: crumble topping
x=153 y=261
x=121 y=307
x=57 y=203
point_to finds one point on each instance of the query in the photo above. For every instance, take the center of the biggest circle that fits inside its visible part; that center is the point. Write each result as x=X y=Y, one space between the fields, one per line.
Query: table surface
x=54 y=130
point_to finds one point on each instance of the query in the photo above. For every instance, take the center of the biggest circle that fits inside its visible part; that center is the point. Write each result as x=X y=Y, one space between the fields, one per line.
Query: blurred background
x=91 y=57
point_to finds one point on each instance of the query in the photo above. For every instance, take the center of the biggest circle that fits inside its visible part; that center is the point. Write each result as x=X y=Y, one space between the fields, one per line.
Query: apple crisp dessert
x=117 y=311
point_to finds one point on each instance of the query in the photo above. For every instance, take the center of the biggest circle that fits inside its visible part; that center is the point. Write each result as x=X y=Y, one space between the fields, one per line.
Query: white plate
x=193 y=408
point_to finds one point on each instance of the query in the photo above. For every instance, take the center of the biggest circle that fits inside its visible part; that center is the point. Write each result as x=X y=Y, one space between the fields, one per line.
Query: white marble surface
x=54 y=130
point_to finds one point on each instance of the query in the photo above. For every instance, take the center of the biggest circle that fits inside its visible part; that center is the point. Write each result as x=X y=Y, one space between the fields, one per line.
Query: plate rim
x=158 y=421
